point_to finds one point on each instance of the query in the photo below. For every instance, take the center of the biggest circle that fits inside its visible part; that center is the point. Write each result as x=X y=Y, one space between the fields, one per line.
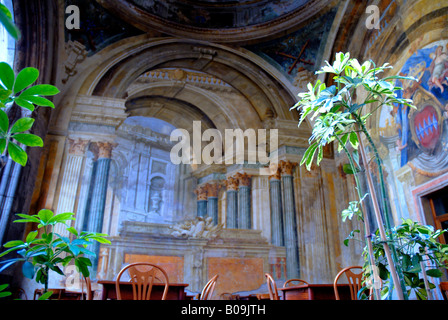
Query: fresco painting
x=421 y=134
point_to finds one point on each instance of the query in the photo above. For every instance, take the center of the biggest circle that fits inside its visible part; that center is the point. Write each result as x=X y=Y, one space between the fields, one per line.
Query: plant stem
x=387 y=251
x=365 y=218
x=384 y=199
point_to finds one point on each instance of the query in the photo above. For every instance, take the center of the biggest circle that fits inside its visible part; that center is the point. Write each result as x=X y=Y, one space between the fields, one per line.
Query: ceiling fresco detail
x=222 y=14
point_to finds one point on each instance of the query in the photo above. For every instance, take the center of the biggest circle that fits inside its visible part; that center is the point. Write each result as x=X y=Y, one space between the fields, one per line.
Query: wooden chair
x=142 y=276
x=444 y=288
x=57 y=293
x=354 y=280
x=207 y=292
x=272 y=287
x=290 y=282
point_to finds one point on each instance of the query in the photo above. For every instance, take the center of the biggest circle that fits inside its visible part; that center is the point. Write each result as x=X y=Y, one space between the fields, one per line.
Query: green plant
x=46 y=250
x=421 y=255
x=18 y=89
x=4 y=293
x=340 y=113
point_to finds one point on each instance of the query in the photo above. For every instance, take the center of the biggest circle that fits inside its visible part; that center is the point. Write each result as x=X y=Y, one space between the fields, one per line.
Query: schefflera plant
x=340 y=115
x=43 y=249
x=18 y=89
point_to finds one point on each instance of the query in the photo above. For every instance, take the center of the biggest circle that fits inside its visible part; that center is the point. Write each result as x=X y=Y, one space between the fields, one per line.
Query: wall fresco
x=421 y=134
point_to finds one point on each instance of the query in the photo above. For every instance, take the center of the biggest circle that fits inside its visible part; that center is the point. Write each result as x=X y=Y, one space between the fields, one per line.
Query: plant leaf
x=26 y=77
x=6 y=21
x=45 y=215
x=17 y=154
x=28 y=139
x=39 y=101
x=4 y=121
x=24 y=104
x=21 y=125
x=7 y=75
x=41 y=90
x=28 y=270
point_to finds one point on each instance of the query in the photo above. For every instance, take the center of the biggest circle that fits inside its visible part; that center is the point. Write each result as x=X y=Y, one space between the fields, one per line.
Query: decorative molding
x=244 y=180
x=287 y=167
x=99 y=110
x=201 y=192
x=76 y=53
x=213 y=189
x=198 y=228
x=232 y=183
x=102 y=149
x=77 y=147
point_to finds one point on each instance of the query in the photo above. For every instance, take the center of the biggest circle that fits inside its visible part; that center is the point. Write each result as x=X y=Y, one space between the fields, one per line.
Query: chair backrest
x=354 y=280
x=207 y=292
x=294 y=282
x=142 y=276
x=272 y=287
x=444 y=288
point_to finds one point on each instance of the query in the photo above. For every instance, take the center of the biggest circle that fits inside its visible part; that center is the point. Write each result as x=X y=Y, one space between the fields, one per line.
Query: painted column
x=244 y=201
x=232 y=203
x=212 y=201
x=96 y=200
x=70 y=180
x=275 y=194
x=290 y=220
x=201 y=193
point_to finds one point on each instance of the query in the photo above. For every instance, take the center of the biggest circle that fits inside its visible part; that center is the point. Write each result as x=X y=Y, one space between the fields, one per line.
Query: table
x=315 y=292
x=176 y=291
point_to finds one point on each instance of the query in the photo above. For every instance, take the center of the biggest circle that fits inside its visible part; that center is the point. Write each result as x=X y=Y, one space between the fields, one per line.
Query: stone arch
x=114 y=72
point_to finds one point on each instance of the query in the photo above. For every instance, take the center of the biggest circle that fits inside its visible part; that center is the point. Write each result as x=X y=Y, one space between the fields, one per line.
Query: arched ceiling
x=226 y=21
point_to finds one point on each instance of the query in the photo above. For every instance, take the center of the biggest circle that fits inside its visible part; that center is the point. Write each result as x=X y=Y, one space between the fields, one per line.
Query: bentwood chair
x=354 y=280
x=142 y=276
x=207 y=292
x=272 y=287
x=294 y=282
x=444 y=288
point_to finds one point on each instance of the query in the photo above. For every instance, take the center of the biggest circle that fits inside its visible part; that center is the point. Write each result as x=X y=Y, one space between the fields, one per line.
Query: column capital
x=77 y=147
x=276 y=175
x=212 y=189
x=287 y=167
x=244 y=179
x=201 y=192
x=102 y=149
x=232 y=183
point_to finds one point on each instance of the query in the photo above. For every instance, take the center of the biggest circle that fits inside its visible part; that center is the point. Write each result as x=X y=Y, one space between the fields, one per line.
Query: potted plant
x=43 y=250
x=340 y=113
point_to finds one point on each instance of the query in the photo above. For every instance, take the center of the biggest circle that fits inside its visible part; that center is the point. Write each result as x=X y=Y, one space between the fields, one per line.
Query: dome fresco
x=219 y=14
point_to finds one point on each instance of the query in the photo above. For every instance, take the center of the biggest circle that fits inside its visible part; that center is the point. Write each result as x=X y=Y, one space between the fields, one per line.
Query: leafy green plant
x=420 y=254
x=339 y=114
x=18 y=89
x=46 y=250
x=4 y=293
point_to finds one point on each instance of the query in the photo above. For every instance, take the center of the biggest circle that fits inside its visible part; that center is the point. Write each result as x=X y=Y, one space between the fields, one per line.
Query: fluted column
x=96 y=200
x=275 y=195
x=290 y=221
x=201 y=194
x=212 y=201
x=70 y=180
x=244 y=201
x=232 y=203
